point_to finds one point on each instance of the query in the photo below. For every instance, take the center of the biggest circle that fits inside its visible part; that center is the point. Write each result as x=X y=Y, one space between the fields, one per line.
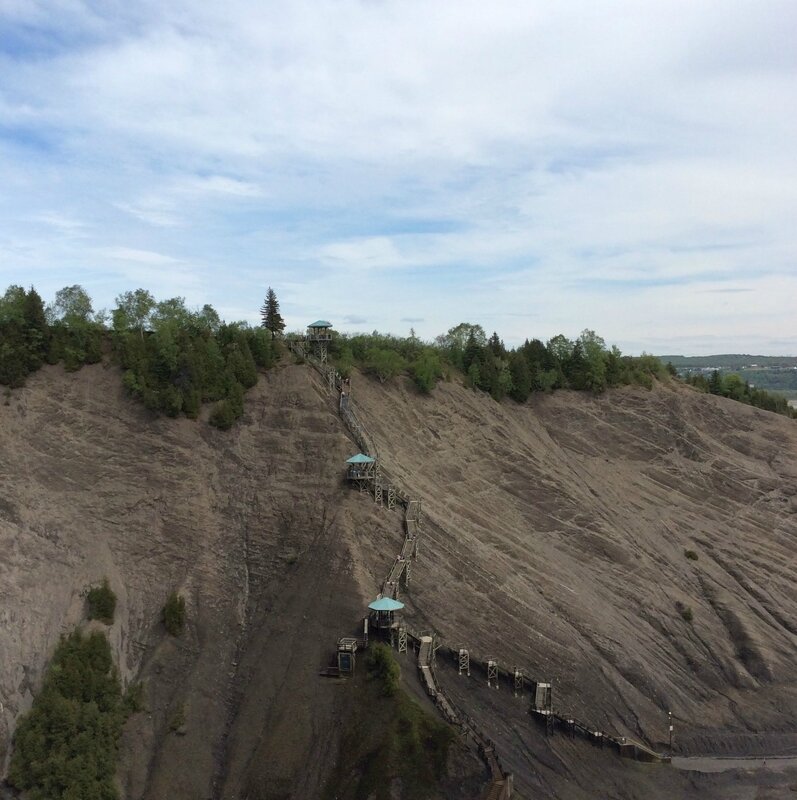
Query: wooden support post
x=402 y=639
x=517 y=675
x=377 y=492
x=464 y=661
x=492 y=674
x=391 y=496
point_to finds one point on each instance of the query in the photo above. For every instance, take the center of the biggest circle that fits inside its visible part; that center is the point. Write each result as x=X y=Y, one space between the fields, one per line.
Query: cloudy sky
x=535 y=167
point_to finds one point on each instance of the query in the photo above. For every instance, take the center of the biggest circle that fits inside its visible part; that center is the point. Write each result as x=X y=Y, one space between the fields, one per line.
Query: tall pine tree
x=270 y=312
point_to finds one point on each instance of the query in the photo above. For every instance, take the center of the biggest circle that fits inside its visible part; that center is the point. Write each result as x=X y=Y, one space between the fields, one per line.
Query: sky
x=534 y=167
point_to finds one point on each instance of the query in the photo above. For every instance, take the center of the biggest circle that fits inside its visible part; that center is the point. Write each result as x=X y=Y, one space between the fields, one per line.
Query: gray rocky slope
x=555 y=540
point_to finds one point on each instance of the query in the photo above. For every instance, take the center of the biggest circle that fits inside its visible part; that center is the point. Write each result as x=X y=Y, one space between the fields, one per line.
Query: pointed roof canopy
x=360 y=459
x=385 y=604
x=320 y=323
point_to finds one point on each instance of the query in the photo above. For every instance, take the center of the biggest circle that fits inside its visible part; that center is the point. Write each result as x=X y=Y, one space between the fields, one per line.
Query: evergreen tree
x=270 y=312
x=473 y=349
x=36 y=331
x=521 y=377
x=496 y=345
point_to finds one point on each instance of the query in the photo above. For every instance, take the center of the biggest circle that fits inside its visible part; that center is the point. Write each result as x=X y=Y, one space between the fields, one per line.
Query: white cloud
x=571 y=161
x=136 y=256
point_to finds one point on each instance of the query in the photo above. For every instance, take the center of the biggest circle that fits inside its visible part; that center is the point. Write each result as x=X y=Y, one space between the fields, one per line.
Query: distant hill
x=772 y=373
x=730 y=361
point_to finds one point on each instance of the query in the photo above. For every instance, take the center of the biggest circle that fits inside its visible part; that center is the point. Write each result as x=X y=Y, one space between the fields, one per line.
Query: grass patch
x=388 y=740
x=691 y=555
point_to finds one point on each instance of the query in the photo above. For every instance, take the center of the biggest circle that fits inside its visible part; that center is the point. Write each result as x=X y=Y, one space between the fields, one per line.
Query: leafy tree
x=12 y=305
x=735 y=388
x=345 y=361
x=133 y=311
x=72 y=306
x=270 y=312
x=383 y=363
x=593 y=348
x=427 y=370
x=171 y=313
x=560 y=348
x=208 y=318
x=454 y=342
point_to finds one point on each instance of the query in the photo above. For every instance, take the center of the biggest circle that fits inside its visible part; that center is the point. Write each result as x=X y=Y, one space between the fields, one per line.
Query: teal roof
x=360 y=459
x=320 y=323
x=386 y=604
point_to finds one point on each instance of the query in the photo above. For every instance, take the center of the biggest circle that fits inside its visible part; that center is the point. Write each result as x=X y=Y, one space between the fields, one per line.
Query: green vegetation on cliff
x=736 y=388
x=585 y=363
x=391 y=747
x=65 y=747
x=174 y=359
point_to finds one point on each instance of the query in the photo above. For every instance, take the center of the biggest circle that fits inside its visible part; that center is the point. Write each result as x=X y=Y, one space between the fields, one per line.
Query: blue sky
x=538 y=168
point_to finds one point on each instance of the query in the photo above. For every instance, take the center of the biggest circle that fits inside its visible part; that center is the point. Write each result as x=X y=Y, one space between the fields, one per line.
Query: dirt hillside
x=275 y=557
x=554 y=540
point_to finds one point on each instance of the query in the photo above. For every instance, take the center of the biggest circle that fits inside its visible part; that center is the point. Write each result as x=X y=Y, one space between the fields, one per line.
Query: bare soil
x=554 y=540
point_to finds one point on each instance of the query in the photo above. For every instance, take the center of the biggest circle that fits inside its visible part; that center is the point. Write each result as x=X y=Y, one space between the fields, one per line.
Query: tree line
x=65 y=747
x=736 y=388
x=174 y=359
x=581 y=364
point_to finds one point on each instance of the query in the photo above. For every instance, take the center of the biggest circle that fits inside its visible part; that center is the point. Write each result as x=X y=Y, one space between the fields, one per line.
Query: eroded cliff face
x=554 y=540
x=254 y=527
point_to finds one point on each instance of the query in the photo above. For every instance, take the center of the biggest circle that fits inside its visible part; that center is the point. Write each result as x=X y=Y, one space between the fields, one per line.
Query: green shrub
x=691 y=555
x=384 y=363
x=173 y=614
x=427 y=369
x=222 y=416
x=133 y=700
x=65 y=747
x=102 y=603
x=685 y=611
x=383 y=668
